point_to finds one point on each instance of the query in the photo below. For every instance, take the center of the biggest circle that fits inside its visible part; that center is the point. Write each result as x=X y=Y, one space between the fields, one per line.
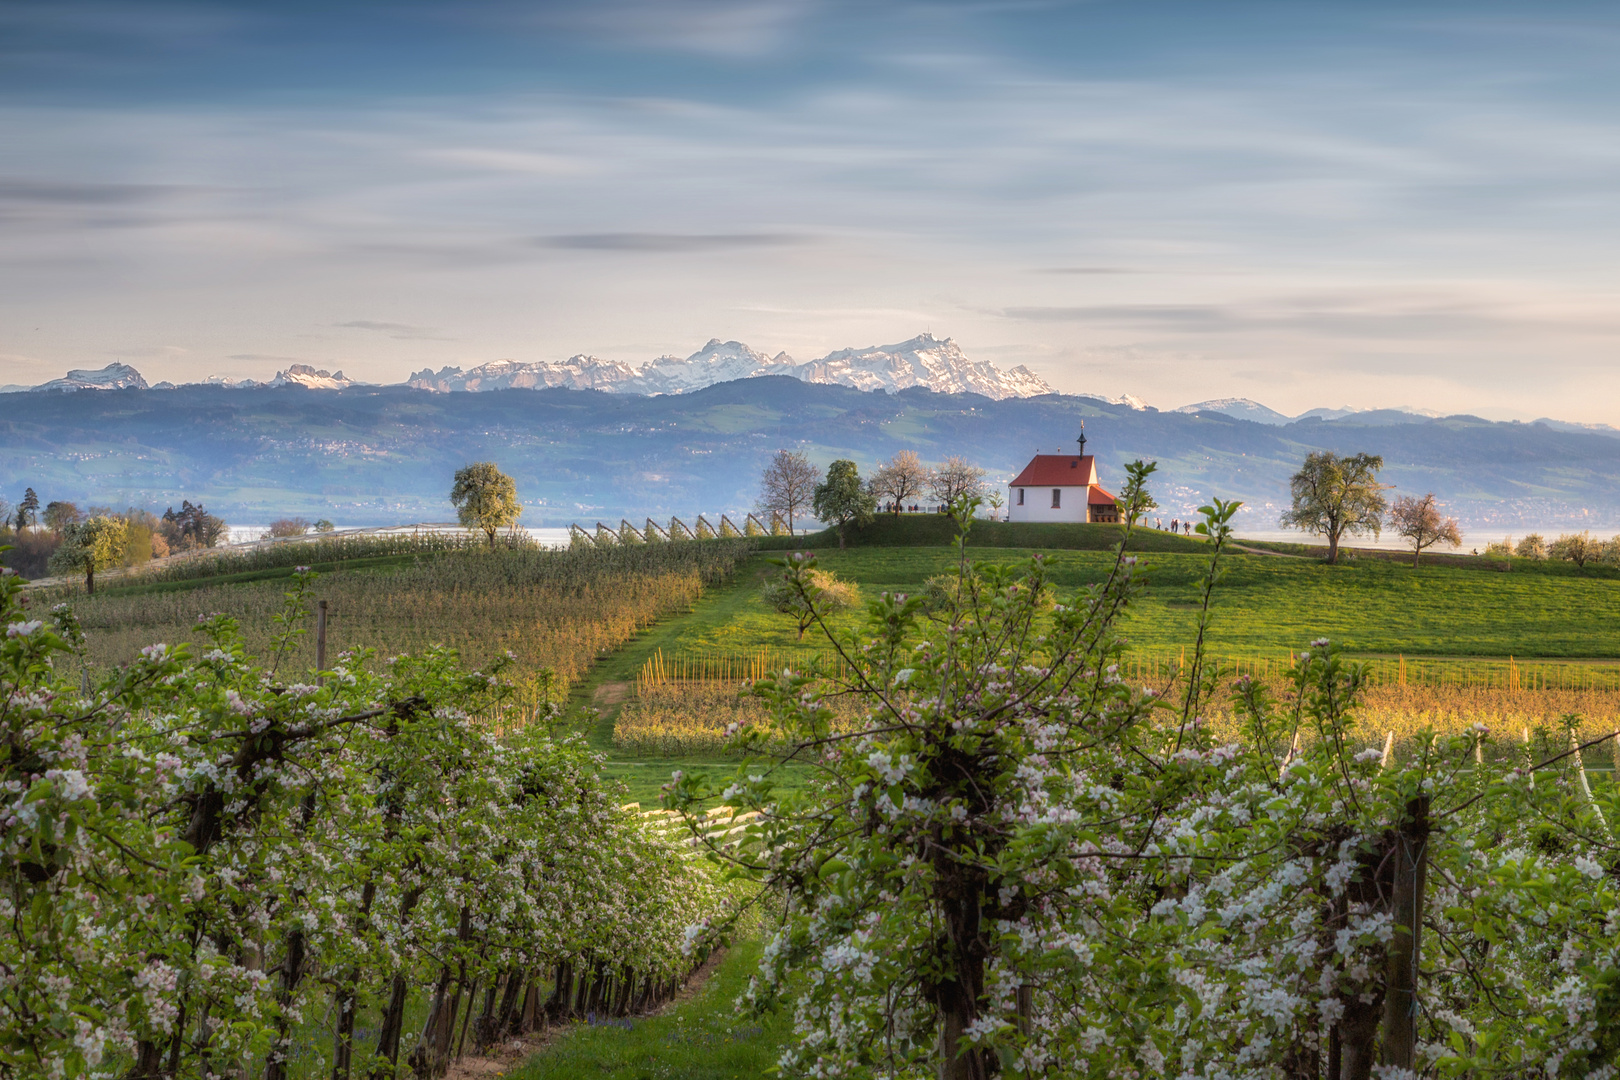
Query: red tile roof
x=1056 y=470
x=1099 y=497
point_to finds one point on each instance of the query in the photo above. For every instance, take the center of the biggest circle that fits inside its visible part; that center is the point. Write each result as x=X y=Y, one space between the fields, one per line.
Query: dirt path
x=1262 y=551
x=511 y=1054
x=611 y=695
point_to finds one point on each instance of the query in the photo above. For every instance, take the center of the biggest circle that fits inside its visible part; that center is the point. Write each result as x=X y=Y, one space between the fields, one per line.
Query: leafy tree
x=485 y=498
x=293 y=526
x=899 y=480
x=819 y=593
x=59 y=515
x=324 y=526
x=1420 y=522
x=1337 y=496
x=787 y=485
x=1579 y=548
x=27 y=509
x=1533 y=546
x=954 y=480
x=88 y=546
x=842 y=499
x=146 y=540
x=192 y=527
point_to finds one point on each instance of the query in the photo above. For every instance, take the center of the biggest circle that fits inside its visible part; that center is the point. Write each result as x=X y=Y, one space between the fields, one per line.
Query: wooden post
x=1405 y=950
x=320 y=641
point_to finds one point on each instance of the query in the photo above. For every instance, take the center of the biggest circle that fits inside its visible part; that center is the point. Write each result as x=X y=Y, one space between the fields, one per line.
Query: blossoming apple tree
x=1020 y=864
x=202 y=854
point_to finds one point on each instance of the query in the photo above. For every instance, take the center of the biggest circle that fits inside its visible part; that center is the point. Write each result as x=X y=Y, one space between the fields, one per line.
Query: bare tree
x=900 y=478
x=954 y=479
x=1420 y=522
x=1336 y=496
x=788 y=484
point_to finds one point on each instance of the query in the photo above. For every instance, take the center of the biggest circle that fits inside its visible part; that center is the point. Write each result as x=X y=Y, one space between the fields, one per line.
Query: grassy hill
x=939 y=530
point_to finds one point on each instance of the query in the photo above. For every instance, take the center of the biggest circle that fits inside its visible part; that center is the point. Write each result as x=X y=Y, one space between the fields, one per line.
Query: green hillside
x=939 y=530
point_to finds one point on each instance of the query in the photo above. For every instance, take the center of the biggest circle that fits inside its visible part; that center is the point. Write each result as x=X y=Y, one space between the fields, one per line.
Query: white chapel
x=1061 y=487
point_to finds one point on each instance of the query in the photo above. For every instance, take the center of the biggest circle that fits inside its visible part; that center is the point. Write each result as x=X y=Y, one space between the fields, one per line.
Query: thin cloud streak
x=671 y=243
x=397 y=331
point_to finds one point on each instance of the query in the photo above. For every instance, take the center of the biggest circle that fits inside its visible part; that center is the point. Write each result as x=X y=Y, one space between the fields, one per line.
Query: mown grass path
x=701 y=1038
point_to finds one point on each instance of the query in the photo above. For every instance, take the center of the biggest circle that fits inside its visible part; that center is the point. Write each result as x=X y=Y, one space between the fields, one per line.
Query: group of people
x=1176 y=525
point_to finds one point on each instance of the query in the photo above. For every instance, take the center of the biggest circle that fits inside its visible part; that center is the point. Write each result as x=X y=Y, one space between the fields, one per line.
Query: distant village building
x=1061 y=487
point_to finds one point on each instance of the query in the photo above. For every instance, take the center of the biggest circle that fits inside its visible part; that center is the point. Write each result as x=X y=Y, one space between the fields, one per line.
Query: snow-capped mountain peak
x=922 y=361
x=111 y=377
x=1130 y=401
x=1239 y=407
x=307 y=376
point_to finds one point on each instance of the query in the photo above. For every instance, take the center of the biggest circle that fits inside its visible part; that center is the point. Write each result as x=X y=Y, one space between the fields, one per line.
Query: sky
x=1357 y=204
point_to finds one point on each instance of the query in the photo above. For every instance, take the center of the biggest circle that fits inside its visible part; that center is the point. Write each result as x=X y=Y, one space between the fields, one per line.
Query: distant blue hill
x=379 y=455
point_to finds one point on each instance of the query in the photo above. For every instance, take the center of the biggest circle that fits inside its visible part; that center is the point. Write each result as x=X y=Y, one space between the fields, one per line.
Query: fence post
x=320 y=641
x=1405 y=950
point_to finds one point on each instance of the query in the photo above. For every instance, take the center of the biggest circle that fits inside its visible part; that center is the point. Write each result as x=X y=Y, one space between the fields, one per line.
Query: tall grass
x=553 y=609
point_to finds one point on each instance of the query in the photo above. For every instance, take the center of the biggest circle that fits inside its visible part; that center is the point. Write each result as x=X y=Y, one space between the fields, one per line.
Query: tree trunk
x=957 y=996
x=1358 y=1045
x=559 y=987
x=292 y=971
x=421 y=1059
x=840 y=536
x=393 y=1021
x=148 y=1061
x=1405 y=950
x=1333 y=548
x=90 y=580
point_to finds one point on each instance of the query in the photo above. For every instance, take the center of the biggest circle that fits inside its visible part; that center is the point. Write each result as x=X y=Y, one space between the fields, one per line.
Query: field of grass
x=702 y=1038
x=1264 y=606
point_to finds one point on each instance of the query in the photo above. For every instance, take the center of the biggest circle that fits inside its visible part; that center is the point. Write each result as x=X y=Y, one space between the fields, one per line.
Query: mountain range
x=923 y=361
x=364 y=455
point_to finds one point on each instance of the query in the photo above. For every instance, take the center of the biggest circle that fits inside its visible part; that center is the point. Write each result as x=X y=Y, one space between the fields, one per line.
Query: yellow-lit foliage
x=556 y=610
x=675 y=718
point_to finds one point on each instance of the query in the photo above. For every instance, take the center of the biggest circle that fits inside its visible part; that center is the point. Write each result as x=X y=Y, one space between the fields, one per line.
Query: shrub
x=293 y=526
x=31 y=551
x=831 y=595
x=1532 y=547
